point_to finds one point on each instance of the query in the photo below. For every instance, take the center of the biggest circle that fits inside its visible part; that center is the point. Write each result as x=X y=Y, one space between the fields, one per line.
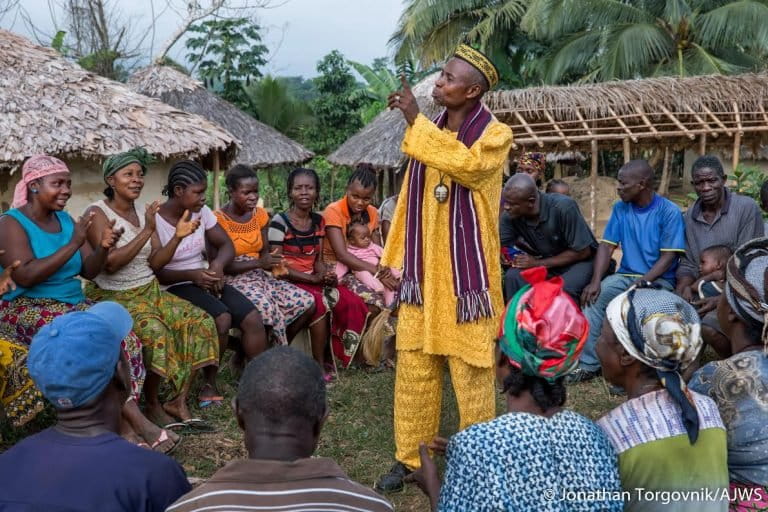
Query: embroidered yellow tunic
x=433 y=327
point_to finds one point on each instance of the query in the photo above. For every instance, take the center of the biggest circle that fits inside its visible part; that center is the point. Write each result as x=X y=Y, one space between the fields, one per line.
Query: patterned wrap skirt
x=19 y=397
x=278 y=302
x=347 y=313
x=178 y=338
x=21 y=318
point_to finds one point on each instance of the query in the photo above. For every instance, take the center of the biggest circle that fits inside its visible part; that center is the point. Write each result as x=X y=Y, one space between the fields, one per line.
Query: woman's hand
x=6 y=282
x=207 y=279
x=186 y=225
x=388 y=279
x=150 y=221
x=271 y=260
x=80 y=232
x=218 y=271
x=330 y=278
x=110 y=235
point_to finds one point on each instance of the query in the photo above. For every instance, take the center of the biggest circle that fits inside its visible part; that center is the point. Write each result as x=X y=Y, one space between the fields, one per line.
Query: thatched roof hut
x=50 y=105
x=646 y=113
x=378 y=143
x=261 y=145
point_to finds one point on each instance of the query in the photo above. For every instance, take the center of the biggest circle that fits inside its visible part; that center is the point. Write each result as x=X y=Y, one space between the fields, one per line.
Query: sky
x=298 y=33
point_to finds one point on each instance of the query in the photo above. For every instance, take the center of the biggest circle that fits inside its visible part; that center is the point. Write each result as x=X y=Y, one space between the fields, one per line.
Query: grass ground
x=358 y=433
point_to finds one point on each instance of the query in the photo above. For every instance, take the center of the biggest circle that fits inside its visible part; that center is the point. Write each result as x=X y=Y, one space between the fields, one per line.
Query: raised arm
x=32 y=271
x=161 y=254
x=119 y=257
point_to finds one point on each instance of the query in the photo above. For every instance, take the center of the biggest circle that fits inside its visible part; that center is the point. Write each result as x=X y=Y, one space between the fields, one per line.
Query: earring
x=34 y=191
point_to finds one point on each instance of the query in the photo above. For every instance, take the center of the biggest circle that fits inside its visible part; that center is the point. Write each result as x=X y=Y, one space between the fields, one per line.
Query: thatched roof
x=261 y=145
x=647 y=112
x=378 y=143
x=50 y=105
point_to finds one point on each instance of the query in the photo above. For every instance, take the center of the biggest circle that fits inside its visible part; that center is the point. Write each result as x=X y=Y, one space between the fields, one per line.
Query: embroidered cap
x=479 y=61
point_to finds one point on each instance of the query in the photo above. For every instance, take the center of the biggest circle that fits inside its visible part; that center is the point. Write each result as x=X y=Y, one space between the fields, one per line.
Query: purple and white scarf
x=470 y=273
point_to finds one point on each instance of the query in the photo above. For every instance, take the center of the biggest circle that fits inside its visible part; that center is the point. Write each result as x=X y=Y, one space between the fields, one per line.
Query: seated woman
x=177 y=337
x=50 y=250
x=298 y=236
x=538 y=447
x=285 y=309
x=356 y=206
x=668 y=438
x=192 y=267
x=739 y=384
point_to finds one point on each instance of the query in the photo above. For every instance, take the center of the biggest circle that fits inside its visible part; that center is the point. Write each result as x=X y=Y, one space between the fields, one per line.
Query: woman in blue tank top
x=50 y=251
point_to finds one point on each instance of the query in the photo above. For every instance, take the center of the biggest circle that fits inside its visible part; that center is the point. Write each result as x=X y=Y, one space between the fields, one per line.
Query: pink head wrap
x=35 y=168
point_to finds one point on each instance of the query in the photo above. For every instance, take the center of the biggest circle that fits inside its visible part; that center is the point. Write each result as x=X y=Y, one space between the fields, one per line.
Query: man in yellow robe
x=445 y=236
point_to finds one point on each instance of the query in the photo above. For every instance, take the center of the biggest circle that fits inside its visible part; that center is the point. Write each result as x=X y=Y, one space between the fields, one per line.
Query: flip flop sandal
x=144 y=445
x=215 y=401
x=199 y=426
x=174 y=426
x=163 y=438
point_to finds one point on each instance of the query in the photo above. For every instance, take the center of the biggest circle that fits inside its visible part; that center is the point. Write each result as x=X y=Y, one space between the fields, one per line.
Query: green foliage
x=270 y=101
x=58 y=42
x=337 y=106
x=748 y=180
x=300 y=88
x=429 y=31
x=381 y=82
x=600 y=40
x=228 y=53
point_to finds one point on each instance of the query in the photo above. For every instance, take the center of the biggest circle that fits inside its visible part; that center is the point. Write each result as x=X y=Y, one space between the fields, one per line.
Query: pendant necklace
x=441 y=190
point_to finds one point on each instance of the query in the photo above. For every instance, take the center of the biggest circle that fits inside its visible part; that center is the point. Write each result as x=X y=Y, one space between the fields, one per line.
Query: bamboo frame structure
x=634 y=115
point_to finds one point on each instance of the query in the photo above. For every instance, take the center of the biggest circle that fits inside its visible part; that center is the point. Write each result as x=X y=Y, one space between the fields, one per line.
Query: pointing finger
x=403 y=81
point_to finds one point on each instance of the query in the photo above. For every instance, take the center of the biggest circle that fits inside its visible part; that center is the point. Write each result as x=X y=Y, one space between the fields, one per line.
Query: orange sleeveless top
x=246 y=236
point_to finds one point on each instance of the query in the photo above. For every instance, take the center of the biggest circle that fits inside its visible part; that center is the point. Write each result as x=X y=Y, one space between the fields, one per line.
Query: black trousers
x=575 y=278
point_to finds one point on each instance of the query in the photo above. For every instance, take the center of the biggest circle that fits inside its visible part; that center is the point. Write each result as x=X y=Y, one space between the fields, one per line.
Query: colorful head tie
x=543 y=330
x=532 y=161
x=662 y=331
x=137 y=155
x=34 y=168
x=479 y=61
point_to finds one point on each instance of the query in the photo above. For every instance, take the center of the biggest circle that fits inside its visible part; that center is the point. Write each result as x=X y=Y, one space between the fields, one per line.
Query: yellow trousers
x=418 y=397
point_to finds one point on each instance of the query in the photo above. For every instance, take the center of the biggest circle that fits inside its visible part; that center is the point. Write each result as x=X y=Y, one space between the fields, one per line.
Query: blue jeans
x=611 y=287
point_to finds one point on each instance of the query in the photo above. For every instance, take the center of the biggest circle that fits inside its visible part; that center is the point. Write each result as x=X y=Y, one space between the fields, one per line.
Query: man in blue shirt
x=81 y=464
x=650 y=231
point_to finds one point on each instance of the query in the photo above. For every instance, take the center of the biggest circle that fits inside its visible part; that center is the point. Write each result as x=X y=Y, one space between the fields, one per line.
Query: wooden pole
x=558 y=171
x=627 y=150
x=703 y=144
x=216 y=185
x=736 y=150
x=664 y=185
x=593 y=187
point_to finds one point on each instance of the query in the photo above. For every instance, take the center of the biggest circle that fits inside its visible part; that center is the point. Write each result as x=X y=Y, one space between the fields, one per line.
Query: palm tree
x=270 y=101
x=428 y=32
x=599 y=40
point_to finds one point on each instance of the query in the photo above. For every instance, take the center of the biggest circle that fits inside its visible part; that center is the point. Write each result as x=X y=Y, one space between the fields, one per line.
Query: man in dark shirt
x=551 y=231
x=81 y=464
x=281 y=408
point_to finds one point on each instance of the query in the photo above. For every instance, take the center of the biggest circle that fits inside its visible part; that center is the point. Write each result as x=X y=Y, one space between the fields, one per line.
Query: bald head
x=521 y=184
x=520 y=196
x=635 y=182
x=639 y=169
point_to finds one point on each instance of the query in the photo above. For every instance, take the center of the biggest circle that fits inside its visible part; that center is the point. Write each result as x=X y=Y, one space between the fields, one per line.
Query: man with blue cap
x=81 y=463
